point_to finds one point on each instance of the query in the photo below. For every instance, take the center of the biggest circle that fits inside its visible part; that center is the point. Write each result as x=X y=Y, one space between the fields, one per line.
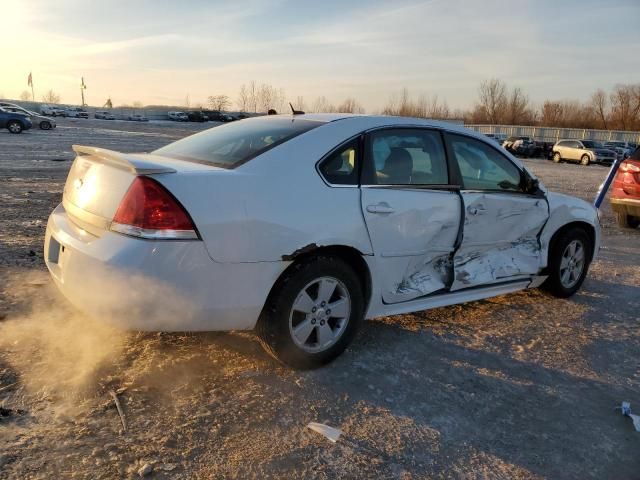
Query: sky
x=160 y=52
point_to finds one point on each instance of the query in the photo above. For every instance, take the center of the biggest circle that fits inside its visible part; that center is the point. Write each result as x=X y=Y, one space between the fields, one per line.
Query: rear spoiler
x=132 y=162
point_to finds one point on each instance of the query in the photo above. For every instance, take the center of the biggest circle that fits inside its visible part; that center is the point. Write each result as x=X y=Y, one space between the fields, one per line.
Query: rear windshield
x=235 y=143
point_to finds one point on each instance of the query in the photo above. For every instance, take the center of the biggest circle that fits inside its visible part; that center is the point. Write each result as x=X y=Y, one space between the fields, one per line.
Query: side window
x=482 y=167
x=339 y=168
x=575 y=144
x=406 y=157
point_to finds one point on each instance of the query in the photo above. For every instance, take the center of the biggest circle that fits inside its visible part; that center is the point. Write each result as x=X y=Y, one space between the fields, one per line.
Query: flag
x=30 y=80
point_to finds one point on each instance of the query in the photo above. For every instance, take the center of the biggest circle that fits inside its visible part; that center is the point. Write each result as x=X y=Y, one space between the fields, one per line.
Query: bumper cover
x=148 y=285
x=628 y=206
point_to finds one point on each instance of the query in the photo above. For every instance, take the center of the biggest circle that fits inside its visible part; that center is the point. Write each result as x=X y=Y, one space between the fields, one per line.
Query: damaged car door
x=412 y=212
x=504 y=212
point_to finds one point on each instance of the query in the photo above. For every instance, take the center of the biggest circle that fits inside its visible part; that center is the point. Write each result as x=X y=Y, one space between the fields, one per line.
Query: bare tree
x=492 y=99
x=424 y=107
x=253 y=96
x=51 y=97
x=219 y=102
x=517 y=107
x=625 y=106
x=322 y=105
x=600 y=106
x=243 y=98
x=552 y=113
x=350 y=105
x=25 y=96
x=266 y=97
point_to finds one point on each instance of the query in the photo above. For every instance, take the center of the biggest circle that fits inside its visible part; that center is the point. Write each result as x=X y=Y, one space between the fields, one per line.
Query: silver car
x=583 y=151
x=45 y=123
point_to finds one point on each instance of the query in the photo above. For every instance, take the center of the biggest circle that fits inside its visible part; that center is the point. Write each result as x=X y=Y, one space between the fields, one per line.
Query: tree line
x=618 y=109
x=496 y=103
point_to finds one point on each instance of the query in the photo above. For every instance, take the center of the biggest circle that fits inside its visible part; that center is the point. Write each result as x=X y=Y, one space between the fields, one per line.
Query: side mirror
x=531 y=185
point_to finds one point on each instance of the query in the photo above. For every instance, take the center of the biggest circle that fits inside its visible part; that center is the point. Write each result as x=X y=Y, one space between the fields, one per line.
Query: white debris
x=333 y=434
x=626 y=410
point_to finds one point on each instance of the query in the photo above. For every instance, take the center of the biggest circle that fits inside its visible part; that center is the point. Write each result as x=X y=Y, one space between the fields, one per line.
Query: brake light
x=630 y=166
x=148 y=210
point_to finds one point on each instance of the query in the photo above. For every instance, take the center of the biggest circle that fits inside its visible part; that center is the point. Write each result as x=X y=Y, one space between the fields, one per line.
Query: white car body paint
x=253 y=219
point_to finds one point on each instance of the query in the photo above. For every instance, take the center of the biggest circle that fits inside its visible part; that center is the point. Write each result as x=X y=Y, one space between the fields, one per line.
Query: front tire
x=45 y=125
x=14 y=127
x=313 y=313
x=626 y=221
x=569 y=260
x=585 y=160
x=557 y=158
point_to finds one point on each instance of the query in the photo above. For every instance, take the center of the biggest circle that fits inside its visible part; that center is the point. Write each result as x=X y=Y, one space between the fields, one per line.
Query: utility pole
x=83 y=87
x=30 y=83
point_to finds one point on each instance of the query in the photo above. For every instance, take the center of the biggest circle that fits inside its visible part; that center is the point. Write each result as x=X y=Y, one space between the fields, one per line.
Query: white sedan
x=301 y=226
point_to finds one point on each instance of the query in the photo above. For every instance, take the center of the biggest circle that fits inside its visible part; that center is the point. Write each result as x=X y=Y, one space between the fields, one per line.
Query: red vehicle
x=625 y=192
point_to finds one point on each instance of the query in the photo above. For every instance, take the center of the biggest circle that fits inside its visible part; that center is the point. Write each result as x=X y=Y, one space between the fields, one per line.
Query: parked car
x=104 y=115
x=178 y=116
x=625 y=192
x=136 y=117
x=219 y=117
x=45 y=123
x=583 y=151
x=301 y=226
x=51 y=110
x=75 y=112
x=197 y=116
x=499 y=138
x=623 y=149
x=520 y=146
x=14 y=122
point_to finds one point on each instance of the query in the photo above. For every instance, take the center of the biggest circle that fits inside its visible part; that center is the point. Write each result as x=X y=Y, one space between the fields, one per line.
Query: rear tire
x=557 y=158
x=45 y=125
x=585 y=160
x=297 y=318
x=14 y=126
x=626 y=221
x=569 y=260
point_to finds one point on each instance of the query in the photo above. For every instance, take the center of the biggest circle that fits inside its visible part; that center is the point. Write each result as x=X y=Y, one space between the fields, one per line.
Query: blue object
x=602 y=192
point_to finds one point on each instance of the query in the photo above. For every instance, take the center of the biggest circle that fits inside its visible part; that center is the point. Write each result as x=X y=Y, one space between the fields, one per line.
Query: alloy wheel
x=320 y=314
x=572 y=263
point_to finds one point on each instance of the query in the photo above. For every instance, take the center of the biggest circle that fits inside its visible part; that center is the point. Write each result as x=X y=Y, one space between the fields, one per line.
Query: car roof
x=374 y=121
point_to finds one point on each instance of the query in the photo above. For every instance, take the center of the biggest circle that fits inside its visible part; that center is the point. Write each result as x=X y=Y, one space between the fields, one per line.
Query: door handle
x=477 y=210
x=380 y=208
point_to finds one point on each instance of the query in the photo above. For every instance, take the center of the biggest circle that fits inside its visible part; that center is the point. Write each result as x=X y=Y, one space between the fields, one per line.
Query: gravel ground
x=518 y=386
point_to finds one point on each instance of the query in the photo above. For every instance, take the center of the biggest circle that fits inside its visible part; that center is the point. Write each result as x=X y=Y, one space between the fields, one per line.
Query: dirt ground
x=518 y=386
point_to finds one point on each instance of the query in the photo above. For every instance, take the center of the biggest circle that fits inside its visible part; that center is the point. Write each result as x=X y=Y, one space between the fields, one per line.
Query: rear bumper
x=627 y=206
x=154 y=285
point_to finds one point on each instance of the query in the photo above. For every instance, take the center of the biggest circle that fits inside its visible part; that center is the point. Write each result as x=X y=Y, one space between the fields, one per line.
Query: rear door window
x=406 y=157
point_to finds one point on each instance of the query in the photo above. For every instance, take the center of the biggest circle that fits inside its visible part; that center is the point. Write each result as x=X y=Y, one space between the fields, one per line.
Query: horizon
x=167 y=54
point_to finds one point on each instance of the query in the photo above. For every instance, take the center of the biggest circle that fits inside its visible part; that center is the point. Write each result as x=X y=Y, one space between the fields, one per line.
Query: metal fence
x=551 y=134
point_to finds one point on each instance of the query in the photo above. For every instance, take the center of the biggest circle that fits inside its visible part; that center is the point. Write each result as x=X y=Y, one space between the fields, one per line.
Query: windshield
x=590 y=144
x=233 y=144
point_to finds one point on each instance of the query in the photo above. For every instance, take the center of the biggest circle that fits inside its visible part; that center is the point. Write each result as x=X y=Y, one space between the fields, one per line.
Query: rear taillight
x=148 y=210
x=630 y=166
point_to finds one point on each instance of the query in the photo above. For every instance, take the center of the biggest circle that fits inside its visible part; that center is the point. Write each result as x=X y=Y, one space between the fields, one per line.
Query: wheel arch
x=350 y=255
x=587 y=227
